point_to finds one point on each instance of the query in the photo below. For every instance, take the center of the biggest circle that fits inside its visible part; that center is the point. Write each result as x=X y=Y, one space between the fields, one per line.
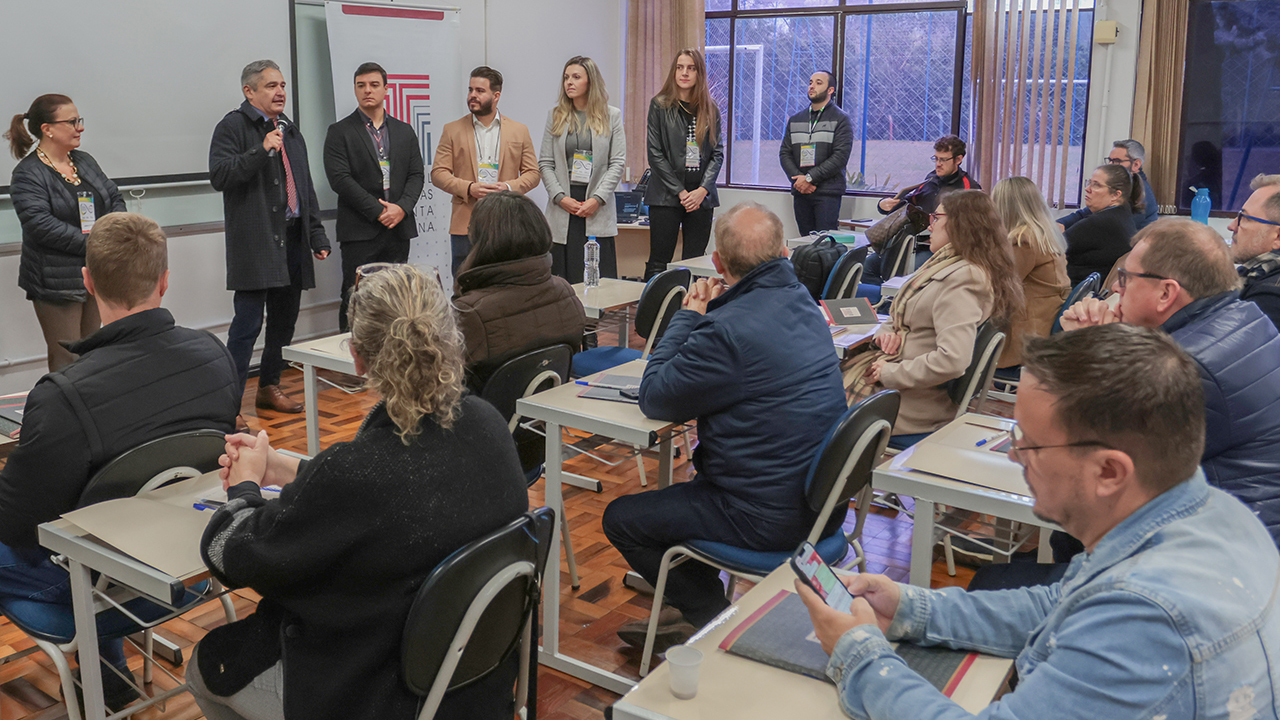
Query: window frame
x=839 y=12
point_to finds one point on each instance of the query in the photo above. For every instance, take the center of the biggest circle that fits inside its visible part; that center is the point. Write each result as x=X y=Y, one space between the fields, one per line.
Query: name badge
x=385 y=166
x=808 y=155
x=488 y=172
x=88 y=215
x=581 y=172
x=692 y=158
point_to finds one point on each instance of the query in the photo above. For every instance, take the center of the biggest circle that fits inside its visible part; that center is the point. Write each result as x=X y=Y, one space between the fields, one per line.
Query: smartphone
x=819 y=576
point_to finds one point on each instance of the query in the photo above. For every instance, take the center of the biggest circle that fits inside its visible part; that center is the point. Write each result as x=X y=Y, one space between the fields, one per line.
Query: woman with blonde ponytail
x=336 y=554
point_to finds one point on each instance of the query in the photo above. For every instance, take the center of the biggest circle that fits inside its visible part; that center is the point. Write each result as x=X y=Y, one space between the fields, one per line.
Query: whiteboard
x=151 y=77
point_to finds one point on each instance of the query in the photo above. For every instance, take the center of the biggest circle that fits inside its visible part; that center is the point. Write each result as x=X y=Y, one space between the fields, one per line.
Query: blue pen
x=984 y=441
x=202 y=506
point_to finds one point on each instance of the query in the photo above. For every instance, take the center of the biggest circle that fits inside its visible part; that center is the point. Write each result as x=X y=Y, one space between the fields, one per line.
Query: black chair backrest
x=443 y=599
x=1087 y=287
x=652 y=317
x=896 y=252
x=843 y=281
x=826 y=469
x=516 y=377
x=957 y=389
x=165 y=460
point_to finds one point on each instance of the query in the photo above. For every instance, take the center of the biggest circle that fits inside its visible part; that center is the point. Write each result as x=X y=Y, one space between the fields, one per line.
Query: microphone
x=281 y=124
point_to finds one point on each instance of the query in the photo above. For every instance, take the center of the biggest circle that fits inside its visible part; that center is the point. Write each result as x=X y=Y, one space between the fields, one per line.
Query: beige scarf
x=855 y=369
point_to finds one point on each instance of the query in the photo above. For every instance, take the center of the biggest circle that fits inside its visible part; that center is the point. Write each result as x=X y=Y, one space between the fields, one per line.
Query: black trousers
x=281 y=306
x=665 y=224
x=386 y=247
x=816 y=212
x=568 y=259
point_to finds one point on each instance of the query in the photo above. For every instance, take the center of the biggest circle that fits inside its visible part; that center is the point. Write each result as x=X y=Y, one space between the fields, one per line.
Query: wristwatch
x=808 y=178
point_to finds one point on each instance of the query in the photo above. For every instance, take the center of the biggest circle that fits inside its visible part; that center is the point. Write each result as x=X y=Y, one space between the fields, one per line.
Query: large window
x=903 y=72
x=1231 y=99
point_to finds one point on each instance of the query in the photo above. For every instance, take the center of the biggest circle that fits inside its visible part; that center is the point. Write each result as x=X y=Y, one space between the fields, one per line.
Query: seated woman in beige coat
x=936 y=314
x=508 y=301
x=1039 y=259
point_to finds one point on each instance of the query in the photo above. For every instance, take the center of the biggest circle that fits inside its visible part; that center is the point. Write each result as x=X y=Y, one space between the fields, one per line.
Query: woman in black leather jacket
x=685 y=154
x=58 y=192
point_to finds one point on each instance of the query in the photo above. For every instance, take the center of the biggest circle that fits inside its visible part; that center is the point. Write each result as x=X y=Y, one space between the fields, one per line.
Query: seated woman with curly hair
x=338 y=554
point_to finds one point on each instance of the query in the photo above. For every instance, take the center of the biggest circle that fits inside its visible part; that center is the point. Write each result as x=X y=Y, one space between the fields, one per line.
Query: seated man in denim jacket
x=1170 y=612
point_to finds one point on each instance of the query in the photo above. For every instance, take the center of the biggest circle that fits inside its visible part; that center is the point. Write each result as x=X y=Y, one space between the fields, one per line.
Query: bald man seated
x=751 y=359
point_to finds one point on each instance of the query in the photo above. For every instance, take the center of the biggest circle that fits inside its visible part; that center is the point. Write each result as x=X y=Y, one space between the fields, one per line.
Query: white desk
x=331 y=353
x=560 y=407
x=84 y=556
x=700 y=266
x=891 y=286
x=610 y=295
x=897 y=476
x=736 y=688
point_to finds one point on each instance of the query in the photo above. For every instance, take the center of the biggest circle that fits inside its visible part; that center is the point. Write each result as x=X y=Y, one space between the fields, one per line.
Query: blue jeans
x=38 y=593
x=816 y=212
x=460 y=246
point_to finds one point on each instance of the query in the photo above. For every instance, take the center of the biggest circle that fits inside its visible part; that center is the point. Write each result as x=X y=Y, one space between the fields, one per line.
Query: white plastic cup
x=685 y=662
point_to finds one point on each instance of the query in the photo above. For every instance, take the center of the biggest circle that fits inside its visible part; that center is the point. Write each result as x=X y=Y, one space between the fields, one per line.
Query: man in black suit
x=258 y=161
x=374 y=163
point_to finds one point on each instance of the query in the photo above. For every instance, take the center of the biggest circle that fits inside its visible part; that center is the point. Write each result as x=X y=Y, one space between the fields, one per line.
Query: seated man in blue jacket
x=1171 y=614
x=752 y=361
x=1179 y=278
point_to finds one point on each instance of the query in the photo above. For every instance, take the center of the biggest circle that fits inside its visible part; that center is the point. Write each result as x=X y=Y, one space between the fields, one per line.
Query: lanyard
x=483 y=132
x=813 y=121
x=377 y=137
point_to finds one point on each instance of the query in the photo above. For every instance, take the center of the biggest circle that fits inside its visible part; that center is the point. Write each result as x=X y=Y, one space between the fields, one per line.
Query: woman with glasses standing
x=58 y=192
x=584 y=150
x=1096 y=242
x=685 y=153
x=934 y=318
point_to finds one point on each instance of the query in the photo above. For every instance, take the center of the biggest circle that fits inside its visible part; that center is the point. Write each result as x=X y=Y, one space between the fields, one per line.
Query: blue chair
x=474 y=609
x=845 y=277
x=146 y=467
x=840 y=470
x=661 y=298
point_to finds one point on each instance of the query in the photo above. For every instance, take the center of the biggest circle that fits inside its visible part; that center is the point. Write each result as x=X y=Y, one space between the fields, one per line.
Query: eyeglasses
x=1119 y=161
x=1017 y=449
x=1242 y=216
x=933 y=217
x=1122 y=276
x=937 y=159
x=74 y=122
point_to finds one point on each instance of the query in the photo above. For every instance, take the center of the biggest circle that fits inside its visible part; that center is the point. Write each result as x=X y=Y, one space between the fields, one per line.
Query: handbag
x=888 y=227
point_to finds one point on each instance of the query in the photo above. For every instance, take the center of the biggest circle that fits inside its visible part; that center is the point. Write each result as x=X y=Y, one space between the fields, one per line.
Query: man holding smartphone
x=1170 y=611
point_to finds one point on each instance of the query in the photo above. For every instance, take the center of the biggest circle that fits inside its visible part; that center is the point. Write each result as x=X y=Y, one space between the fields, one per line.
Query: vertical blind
x=1024 y=86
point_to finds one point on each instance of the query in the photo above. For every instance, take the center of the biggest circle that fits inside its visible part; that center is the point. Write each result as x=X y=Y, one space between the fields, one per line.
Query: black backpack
x=814 y=262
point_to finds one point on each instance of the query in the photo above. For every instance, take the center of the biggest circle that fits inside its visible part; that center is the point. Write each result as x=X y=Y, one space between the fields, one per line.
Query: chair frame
x=1089 y=287
x=878 y=432
x=844 y=287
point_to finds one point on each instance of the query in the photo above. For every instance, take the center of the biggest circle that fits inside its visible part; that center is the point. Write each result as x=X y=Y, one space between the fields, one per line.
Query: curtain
x=1024 y=78
x=1157 y=102
x=656 y=30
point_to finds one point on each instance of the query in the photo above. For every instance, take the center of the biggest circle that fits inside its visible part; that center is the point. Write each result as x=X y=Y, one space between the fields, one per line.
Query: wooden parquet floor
x=589 y=617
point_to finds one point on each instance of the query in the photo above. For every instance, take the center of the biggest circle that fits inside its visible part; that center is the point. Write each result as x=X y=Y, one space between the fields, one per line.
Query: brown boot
x=271 y=397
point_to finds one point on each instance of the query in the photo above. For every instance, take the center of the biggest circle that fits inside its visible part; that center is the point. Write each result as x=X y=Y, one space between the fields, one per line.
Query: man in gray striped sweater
x=814 y=152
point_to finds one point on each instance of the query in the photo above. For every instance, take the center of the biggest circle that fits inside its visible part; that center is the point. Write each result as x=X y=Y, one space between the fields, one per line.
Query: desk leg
x=1044 y=551
x=313 y=408
x=665 y=452
x=549 y=653
x=922 y=544
x=87 y=641
x=624 y=327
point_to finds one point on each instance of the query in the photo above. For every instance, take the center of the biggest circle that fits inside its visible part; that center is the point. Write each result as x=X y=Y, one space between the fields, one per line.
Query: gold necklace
x=75 y=174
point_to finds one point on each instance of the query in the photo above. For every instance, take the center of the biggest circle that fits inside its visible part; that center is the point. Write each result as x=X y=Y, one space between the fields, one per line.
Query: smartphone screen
x=819 y=575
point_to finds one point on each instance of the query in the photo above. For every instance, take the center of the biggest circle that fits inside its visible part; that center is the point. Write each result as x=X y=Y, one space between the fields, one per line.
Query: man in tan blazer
x=481 y=153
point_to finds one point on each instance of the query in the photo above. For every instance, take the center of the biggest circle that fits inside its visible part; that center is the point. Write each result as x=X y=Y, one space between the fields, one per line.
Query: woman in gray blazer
x=583 y=152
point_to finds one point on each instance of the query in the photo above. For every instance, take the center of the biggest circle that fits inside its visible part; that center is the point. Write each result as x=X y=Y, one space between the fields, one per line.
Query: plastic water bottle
x=592 y=254
x=1200 y=206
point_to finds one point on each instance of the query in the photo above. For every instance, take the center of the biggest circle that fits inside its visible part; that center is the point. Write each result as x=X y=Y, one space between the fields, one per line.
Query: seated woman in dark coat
x=508 y=301
x=1096 y=242
x=354 y=531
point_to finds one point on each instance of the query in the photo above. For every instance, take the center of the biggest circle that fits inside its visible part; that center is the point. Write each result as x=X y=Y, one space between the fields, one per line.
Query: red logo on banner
x=409 y=99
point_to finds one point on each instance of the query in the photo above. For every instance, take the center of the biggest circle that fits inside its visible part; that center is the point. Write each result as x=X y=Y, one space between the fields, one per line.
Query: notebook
x=853 y=311
x=781 y=634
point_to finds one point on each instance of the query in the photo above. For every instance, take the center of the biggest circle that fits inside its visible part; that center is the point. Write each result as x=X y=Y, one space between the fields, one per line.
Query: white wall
x=528 y=42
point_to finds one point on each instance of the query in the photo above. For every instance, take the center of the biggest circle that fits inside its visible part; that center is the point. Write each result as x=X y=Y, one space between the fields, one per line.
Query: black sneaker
x=116 y=693
x=672 y=630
